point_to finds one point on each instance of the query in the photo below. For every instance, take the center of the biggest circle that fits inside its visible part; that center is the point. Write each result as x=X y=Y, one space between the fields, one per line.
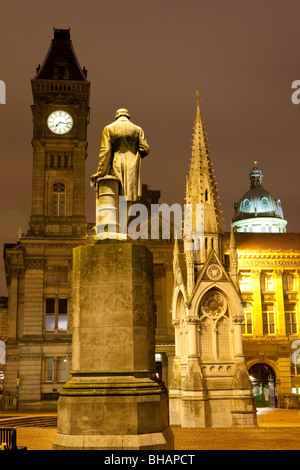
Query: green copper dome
x=258 y=210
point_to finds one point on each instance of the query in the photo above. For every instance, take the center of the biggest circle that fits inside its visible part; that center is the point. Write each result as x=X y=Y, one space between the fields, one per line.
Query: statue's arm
x=105 y=153
x=143 y=145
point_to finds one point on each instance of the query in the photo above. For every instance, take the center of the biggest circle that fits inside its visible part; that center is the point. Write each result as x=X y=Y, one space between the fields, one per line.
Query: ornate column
x=257 y=307
x=237 y=334
x=192 y=323
x=190 y=271
x=13 y=304
x=280 y=317
x=176 y=324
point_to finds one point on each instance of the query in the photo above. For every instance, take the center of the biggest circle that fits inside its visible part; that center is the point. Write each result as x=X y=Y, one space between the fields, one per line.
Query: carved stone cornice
x=269 y=260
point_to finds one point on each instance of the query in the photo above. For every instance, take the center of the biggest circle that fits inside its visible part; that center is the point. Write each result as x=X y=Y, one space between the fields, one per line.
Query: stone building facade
x=269 y=279
x=36 y=323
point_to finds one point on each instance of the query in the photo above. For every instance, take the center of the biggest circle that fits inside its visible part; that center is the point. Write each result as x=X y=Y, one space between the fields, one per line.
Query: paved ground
x=278 y=429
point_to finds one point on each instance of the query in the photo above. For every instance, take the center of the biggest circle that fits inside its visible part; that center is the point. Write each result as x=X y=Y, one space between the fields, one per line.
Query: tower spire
x=201 y=186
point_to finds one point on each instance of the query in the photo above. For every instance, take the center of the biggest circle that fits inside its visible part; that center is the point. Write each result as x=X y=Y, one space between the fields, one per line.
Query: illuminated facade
x=269 y=279
x=36 y=324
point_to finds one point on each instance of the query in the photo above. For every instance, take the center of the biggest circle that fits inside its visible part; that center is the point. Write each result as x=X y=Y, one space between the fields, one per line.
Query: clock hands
x=60 y=122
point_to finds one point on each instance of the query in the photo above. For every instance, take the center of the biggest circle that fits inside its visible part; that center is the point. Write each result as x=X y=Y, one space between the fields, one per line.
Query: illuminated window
x=247 y=323
x=59 y=200
x=245 y=282
x=56 y=314
x=268 y=315
x=267 y=282
x=290 y=318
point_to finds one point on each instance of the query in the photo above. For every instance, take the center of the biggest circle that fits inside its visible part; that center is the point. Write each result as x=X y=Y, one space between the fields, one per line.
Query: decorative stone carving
x=213 y=304
x=214 y=272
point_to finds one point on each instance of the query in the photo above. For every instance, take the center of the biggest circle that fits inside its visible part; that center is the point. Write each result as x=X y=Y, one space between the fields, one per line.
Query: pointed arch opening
x=180 y=306
x=215 y=342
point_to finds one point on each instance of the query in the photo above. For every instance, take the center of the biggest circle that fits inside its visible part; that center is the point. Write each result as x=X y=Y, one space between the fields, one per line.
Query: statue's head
x=122 y=112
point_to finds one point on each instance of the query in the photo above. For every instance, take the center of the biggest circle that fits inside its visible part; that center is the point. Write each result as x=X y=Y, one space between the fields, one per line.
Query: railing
x=8 y=439
x=8 y=436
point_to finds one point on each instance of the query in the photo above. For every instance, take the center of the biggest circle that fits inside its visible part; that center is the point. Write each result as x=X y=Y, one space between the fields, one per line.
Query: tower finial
x=198 y=93
x=198 y=100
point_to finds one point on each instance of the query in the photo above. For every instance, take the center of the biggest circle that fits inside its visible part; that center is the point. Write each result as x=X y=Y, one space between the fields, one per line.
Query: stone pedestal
x=114 y=399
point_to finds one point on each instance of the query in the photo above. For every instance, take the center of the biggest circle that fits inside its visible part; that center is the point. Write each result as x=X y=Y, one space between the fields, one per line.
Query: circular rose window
x=213 y=304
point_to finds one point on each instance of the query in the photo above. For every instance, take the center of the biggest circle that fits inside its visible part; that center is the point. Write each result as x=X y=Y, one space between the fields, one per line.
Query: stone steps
x=29 y=421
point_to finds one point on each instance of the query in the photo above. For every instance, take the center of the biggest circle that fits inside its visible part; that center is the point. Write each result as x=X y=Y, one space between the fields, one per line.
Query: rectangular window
x=288 y=282
x=56 y=314
x=49 y=369
x=51 y=275
x=55 y=369
x=268 y=315
x=247 y=323
x=62 y=369
x=50 y=314
x=290 y=318
x=63 y=274
x=267 y=283
x=245 y=282
x=59 y=199
x=62 y=314
x=56 y=274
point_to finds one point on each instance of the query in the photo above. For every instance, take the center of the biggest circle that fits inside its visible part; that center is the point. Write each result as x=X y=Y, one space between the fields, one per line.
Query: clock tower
x=60 y=116
x=39 y=267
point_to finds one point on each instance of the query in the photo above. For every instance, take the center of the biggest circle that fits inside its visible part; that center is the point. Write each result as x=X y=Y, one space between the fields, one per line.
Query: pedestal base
x=153 y=441
x=113 y=412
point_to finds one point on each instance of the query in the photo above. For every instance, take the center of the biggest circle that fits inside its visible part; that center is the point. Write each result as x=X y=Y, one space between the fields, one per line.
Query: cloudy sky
x=147 y=56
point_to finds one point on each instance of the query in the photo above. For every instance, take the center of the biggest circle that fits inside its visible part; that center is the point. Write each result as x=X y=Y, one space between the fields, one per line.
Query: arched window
x=180 y=306
x=214 y=331
x=59 y=199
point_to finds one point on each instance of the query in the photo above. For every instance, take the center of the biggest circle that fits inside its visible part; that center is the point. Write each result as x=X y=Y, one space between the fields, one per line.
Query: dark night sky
x=148 y=56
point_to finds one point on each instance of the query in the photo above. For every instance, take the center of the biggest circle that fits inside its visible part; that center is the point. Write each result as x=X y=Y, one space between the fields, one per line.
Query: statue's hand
x=100 y=171
x=93 y=179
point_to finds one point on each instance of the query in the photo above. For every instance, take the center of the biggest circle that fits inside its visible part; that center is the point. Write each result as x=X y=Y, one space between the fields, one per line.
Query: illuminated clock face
x=60 y=122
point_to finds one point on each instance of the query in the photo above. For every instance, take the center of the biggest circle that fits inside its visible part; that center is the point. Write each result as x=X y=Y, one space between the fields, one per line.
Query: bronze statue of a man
x=123 y=145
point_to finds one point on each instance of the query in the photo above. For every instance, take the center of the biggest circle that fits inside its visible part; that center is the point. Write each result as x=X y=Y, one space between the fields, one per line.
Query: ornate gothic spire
x=201 y=186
